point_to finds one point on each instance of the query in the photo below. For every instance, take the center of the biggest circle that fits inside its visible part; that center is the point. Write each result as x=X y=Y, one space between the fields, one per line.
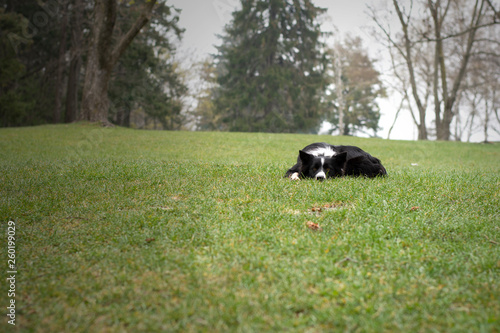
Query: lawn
x=120 y=230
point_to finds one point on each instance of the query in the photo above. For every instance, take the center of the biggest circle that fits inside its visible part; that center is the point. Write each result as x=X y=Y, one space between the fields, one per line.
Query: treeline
x=65 y=60
x=54 y=52
x=114 y=62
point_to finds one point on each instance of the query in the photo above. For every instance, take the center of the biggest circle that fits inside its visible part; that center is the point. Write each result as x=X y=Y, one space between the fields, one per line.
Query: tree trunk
x=340 y=94
x=422 y=127
x=72 y=89
x=486 y=120
x=61 y=64
x=98 y=70
x=422 y=131
x=443 y=122
x=102 y=57
x=95 y=101
x=75 y=64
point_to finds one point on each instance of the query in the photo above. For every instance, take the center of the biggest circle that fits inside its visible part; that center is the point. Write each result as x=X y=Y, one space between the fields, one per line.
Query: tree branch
x=386 y=33
x=497 y=13
x=468 y=30
x=408 y=57
x=133 y=31
x=470 y=41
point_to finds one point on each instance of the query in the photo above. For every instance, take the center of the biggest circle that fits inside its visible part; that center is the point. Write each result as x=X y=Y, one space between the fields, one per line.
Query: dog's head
x=322 y=167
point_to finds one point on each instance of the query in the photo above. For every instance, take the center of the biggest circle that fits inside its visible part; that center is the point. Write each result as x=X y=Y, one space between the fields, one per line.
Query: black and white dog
x=322 y=160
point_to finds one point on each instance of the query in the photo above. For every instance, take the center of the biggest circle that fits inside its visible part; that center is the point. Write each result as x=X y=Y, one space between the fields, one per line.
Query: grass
x=122 y=230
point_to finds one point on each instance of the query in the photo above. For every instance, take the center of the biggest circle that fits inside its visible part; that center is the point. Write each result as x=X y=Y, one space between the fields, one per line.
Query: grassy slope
x=146 y=231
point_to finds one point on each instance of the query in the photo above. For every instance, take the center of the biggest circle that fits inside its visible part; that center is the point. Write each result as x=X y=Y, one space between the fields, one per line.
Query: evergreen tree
x=13 y=107
x=29 y=35
x=272 y=68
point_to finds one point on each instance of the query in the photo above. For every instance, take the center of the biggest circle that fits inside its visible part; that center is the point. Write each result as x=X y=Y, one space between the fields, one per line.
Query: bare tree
x=405 y=48
x=445 y=100
x=481 y=87
x=451 y=27
x=103 y=54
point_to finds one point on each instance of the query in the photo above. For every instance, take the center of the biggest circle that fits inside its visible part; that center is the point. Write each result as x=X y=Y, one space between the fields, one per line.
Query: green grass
x=122 y=230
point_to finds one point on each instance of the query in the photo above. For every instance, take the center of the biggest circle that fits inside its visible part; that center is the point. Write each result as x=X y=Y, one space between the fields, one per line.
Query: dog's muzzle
x=320 y=176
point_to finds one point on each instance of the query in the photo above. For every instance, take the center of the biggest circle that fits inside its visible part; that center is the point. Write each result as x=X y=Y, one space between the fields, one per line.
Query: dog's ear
x=355 y=160
x=337 y=165
x=305 y=157
x=340 y=159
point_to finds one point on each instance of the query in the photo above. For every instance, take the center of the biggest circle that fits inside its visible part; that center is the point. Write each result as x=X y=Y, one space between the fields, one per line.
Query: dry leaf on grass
x=328 y=206
x=313 y=226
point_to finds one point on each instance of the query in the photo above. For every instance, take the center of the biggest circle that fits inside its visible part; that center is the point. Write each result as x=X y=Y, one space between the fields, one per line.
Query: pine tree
x=272 y=68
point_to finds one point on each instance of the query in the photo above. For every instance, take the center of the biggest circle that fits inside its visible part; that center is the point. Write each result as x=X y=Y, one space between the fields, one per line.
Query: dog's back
x=361 y=163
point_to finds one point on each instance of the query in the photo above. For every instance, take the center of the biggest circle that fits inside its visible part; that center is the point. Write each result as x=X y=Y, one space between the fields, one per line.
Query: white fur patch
x=294 y=176
x=320 y=175
x=322 y=151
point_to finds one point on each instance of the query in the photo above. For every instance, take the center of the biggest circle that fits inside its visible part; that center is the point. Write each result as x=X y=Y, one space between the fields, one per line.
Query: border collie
x=322 y=160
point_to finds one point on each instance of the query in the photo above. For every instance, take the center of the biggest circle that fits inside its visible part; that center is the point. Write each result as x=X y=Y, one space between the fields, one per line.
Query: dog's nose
x=320 y=178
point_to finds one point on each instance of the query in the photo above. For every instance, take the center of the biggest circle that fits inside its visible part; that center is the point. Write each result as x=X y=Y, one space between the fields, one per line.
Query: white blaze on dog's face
x=321 y=173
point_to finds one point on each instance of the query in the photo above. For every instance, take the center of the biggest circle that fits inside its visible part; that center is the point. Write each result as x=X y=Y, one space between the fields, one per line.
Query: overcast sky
x=205 y=19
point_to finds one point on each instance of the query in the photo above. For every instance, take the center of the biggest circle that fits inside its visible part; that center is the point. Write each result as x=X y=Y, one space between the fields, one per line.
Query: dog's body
x=322 y=160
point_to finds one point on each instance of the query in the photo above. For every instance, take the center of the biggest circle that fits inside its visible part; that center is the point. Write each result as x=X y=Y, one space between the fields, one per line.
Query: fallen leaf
x=414 y=208
x=327 y=207
x=149 y=240
x=313 y=226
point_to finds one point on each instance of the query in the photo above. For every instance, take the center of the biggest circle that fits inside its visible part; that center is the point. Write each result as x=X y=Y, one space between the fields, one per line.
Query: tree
x=480 y=98
x=13 y=107
x=146 y=81
x=48 y=42
x=272 y=68
x=33 y=45
x=61 y=62
x=356 y=88
x=103 y=55
x=205 y=115
x=76 y=51
x=450 y=28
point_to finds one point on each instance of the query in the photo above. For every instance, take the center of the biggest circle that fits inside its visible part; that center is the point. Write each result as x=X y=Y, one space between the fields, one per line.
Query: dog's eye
x=327 y=170
x=315 y=169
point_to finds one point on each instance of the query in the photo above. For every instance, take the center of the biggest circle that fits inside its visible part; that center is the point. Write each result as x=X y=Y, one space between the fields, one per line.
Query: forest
x=276 y=70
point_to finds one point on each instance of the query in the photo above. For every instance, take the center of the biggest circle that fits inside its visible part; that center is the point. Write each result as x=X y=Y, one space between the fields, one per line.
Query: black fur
x=314 y=162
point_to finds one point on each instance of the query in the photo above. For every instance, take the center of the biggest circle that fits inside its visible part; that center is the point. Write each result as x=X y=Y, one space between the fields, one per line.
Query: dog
x=322 y=160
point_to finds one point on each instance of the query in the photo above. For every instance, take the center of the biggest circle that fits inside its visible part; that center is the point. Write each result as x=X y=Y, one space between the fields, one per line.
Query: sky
x=205 y=19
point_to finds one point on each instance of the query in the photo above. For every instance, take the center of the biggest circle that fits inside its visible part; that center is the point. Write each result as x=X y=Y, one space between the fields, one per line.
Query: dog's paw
x=294 y=176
